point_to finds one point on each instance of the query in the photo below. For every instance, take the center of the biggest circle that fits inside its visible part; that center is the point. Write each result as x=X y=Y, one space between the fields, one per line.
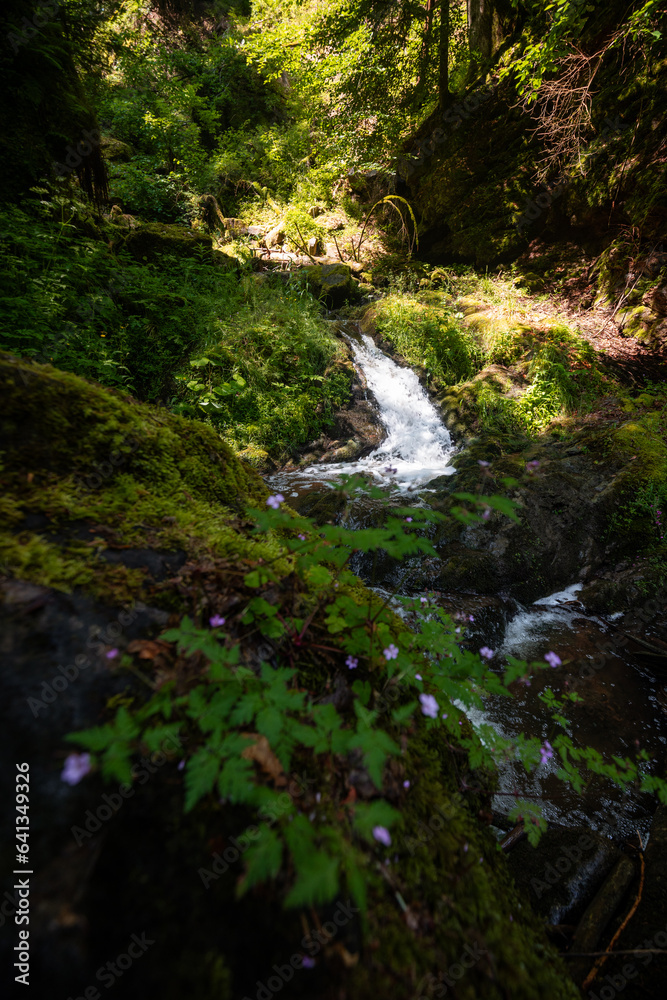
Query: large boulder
x=333 y=283
x=115 y=151
x=152 y=239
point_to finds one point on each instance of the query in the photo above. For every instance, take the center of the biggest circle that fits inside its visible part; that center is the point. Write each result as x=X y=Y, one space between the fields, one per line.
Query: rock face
x=564 y=872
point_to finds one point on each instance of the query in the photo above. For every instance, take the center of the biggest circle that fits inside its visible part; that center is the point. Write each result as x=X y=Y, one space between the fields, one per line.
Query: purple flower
x=546 y=751
x=302 y=537
x=553 y=660
x=308 y=962
x=275 y=501
x=181 y=765
x=391 y=652
x=381 y=834
x=406 y=783
x=486 y=514
x=470 y=618
x=390 y=471
x=216 y=621
x=429 y=705
x=352 y=662
x=408 y=519
x=77 y=766
x=532 y=466
x=424 y=600
x=444 y=715
x=486 y=653
x=112 y=654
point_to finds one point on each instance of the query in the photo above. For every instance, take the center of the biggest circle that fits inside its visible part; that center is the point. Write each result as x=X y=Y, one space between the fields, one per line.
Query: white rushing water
x=418 y=446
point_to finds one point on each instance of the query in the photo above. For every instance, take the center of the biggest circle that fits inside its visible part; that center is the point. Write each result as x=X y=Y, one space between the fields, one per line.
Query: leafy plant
x=247 y=726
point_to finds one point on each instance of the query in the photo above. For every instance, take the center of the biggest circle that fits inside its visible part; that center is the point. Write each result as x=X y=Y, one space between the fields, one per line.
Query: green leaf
x=403 y=713
x=262 y=859
x=269 y=723
x=237 y=780
x=316 y=881
x=94 y=739
x=200 y=774
x=156 y=738
x=356 y=881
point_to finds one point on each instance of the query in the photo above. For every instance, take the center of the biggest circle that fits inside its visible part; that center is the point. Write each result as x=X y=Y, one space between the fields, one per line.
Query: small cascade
x=418 y=446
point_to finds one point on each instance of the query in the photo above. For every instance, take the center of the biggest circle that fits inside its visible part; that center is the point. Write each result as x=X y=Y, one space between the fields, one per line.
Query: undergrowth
x=550 y=371
x=271 y=376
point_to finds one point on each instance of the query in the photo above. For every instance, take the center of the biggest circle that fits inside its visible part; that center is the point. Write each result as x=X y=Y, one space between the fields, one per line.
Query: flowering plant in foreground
x=400 y=675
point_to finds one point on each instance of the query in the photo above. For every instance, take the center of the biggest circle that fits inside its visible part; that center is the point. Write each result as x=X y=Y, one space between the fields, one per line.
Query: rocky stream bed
x=586 y=872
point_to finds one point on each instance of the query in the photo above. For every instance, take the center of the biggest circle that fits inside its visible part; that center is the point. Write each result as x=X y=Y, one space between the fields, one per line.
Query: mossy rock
x=227 y=262
x=73 y=450
x=636 y=321
x=154 y=238
x=333 y=283
x=115 y=151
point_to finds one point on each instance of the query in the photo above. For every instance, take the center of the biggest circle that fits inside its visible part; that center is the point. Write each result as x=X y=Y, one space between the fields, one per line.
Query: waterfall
x=418 y=447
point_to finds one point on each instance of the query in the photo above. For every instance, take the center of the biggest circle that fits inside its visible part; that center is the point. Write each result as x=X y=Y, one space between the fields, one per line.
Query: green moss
x=449 y=866
x=332 y=283
x=113 y=150
x=498 y=375
x=153 y=479
x=154 y=238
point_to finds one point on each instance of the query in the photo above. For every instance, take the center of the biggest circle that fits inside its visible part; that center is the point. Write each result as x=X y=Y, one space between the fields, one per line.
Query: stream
x=622 y=703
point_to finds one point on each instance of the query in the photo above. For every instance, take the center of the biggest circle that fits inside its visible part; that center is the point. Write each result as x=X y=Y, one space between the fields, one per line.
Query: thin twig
x=338 y=249
x=298 y=246
x=590 y=978
x=304 y=243
x=621 y=951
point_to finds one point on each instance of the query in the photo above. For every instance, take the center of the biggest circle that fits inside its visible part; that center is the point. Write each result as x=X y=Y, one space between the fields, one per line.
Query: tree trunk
x=444 y=96
x=485 y=30
x=480 y=27
x=423 y=54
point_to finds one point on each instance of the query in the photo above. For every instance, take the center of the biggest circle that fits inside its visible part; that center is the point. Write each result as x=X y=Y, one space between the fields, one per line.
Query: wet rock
x=589 y=933
x=648 y=926
x=561 y=875
x=345 y=453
